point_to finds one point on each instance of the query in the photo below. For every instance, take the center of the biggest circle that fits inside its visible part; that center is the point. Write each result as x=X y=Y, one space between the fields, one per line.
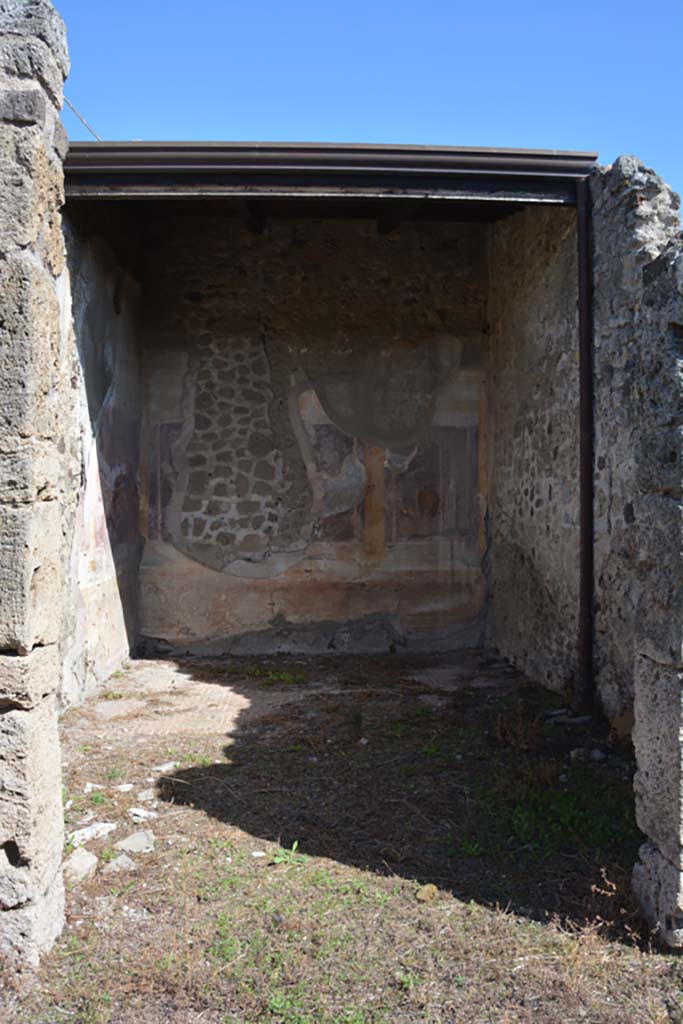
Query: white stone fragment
x=141 y=814
x=80 y=865
x=125 y=787
x=147 y=794
x=138 y=842
x=135 y=913
x=95 y=831
x=121 y=863
x=168 y=766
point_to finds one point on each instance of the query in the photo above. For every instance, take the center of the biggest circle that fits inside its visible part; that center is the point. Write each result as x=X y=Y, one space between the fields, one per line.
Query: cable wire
x=81 y=118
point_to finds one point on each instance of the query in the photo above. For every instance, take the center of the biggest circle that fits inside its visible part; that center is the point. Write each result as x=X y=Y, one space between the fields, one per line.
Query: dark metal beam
x=198 y=156
x=585 y=691
x=113 y=169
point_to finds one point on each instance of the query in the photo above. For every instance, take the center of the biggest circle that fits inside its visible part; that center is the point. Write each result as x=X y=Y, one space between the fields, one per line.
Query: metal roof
x=253 y=170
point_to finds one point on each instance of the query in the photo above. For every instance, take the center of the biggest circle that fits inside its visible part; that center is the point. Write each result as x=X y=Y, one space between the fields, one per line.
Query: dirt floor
x=346 y=841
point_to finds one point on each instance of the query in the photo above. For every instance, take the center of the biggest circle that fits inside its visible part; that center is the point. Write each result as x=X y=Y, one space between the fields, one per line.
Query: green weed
x=208 y=892
x=270 y=677
x=470 y=847
x=283 y=856
x=407 y=980
x=431 y=749
x=197 y=760
x=574 y=819
x=224 y=945
x=288 y=1006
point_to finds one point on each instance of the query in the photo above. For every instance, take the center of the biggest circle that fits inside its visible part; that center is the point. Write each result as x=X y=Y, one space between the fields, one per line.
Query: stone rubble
x=141 y=813
x=80 y=865
x=121 y=863
x=98 y=830
x=138 y=842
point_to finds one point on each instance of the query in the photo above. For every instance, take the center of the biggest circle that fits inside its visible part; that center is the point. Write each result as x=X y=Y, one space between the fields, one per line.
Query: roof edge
x=349 y=167
x=192 y=153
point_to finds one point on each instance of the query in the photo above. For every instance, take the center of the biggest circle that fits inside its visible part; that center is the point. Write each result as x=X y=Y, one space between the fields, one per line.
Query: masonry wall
x=314 y=463
x=37 y=474
x=637 y=346
x=639 y=527
x=103 y=316
x=534 y=554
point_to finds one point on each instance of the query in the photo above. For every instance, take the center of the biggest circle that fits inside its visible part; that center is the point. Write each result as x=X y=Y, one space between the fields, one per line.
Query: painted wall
x=314 y=464
x=106 y=545
x=535 y=443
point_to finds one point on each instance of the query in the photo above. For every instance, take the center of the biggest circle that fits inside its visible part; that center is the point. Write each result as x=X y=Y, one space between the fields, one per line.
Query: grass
x=98 y=799
x=268 y=676
x=571 y=820
x=459 y=867
x=196 y=758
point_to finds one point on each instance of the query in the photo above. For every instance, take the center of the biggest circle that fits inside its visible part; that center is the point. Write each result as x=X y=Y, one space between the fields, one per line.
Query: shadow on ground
x=459 y=774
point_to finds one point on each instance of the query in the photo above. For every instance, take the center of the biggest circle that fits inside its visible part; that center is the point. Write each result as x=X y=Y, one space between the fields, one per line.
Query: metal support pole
x=585 y=683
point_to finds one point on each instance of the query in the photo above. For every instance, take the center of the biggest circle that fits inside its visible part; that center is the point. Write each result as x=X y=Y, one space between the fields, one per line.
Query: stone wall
x=635 y=218
x=534 y=557
x=103 y=301
x=639 y=391
x=37 y=473
x=314 y=461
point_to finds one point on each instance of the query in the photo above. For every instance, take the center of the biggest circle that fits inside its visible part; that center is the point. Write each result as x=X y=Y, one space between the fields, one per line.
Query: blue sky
x=602 y=76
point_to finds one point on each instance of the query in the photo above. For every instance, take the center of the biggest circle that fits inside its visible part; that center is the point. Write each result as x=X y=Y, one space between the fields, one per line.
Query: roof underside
x=425 y=181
